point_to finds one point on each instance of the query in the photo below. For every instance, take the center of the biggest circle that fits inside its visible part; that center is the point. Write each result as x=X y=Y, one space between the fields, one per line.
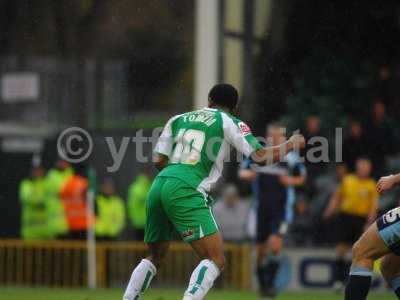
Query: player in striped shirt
x=190 y=154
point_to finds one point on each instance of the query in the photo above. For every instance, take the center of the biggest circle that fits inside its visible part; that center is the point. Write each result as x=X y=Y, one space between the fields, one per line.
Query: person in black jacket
x=379 y=128
x=354 y=145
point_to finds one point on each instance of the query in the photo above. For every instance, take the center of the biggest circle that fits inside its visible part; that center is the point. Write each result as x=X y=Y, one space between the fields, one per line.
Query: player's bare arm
x=386 y=183
x=292 y=180
x=247 y=175
x=273 y=154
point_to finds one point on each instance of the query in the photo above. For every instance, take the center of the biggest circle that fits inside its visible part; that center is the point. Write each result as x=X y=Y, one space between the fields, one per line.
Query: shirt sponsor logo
x=245 y=130
x=188 y=233
x=392 y=216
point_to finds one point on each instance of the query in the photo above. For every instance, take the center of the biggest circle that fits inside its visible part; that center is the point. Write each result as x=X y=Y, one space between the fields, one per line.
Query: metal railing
x=63 y=264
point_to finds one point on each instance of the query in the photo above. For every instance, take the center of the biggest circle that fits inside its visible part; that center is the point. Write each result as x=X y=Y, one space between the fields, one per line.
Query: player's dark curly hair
x=224 y=95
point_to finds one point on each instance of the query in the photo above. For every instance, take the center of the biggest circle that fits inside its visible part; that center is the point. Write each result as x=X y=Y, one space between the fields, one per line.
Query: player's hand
x=247 y=175
x=298 y=141
x=284 y=180
x=385 y=184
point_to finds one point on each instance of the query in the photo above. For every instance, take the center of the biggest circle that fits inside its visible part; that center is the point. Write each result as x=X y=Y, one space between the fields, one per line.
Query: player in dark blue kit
x=274 y=189
x=381 y=240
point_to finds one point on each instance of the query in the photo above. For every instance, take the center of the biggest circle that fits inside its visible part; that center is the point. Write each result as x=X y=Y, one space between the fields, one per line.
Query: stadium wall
x=311 y=268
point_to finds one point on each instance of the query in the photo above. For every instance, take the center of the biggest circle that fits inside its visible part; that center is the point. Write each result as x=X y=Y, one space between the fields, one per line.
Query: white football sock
x=140 y=280
x=202 y=280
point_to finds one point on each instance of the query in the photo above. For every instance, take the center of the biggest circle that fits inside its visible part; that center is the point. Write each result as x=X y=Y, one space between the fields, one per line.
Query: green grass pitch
x=116 y=294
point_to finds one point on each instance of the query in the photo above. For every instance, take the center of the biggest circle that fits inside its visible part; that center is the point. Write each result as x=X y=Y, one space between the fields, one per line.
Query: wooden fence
x=63 y=264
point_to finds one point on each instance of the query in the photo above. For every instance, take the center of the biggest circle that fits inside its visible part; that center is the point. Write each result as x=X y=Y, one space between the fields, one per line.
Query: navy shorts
x=267 y=226
x=389 y=229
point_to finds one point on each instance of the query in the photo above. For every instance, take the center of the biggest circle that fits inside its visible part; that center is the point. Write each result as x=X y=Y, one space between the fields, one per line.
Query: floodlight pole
x=206 y=49
x=90 y=236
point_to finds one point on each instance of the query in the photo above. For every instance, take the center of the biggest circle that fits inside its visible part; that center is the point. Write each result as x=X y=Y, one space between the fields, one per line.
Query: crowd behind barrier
x=54 y=203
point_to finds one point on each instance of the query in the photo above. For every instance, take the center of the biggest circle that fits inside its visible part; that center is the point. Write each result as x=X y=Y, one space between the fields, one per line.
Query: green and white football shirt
x=197 y=143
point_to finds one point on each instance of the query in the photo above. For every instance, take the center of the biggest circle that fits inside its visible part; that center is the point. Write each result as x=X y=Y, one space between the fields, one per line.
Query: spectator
x=314 y=169
x=331 y=183
x=232 y=215
x=301 y=229
x=354 y=145
x=380 y=137
x=137 y=195
x=327 y=186
x=73 y=196
x=110 y=219
x=355 y=201
x=34 y=214
x=387 y=86
x=55 y=180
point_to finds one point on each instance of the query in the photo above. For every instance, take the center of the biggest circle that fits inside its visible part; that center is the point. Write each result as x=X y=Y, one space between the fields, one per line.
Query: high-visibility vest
x=73 y=196
x=137 y=195
x=110 y=218
x=57 y=222
x=34 y=214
